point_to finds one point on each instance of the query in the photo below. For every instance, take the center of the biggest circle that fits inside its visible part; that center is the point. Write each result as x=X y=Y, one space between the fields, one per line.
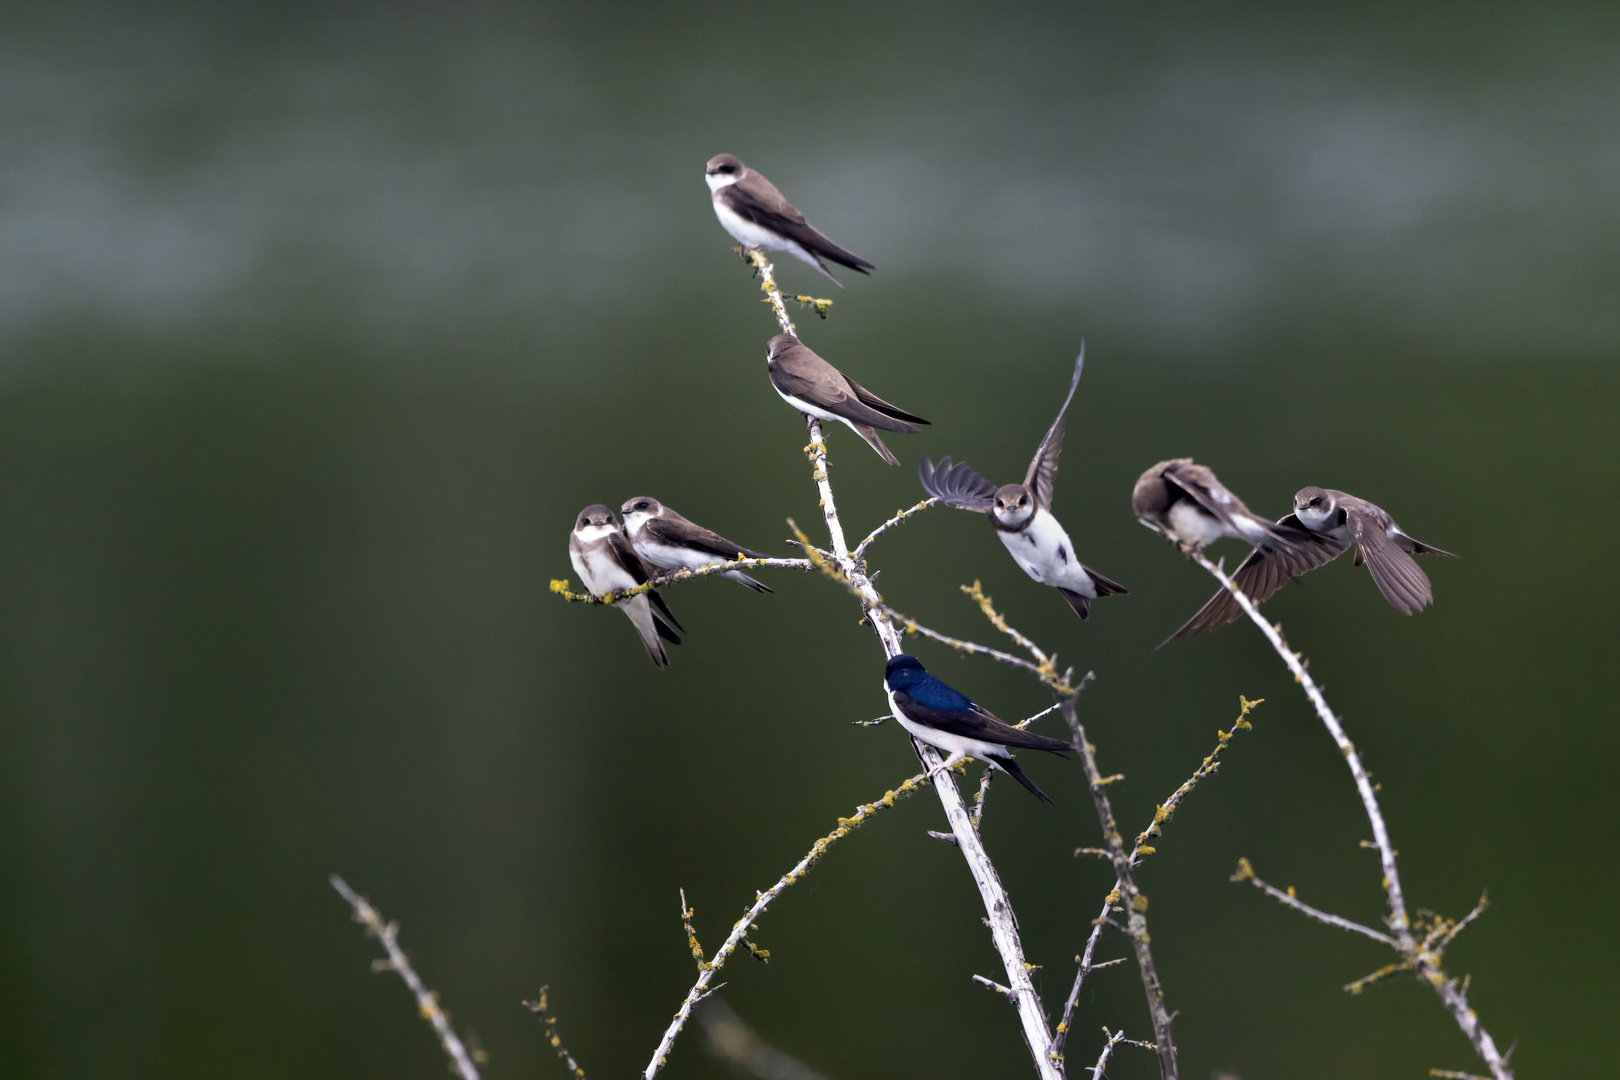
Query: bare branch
x=739 y=930
x=859 y=554
x=1245 y=872
x=674 y=577
x=1210 y=764
x=1114 y=1039
x=427 y=1002
x=1422 y=960
x=1127 y=896
x=540 y=1008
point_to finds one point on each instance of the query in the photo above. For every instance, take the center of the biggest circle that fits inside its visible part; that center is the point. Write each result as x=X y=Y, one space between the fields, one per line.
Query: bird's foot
x=955 y=760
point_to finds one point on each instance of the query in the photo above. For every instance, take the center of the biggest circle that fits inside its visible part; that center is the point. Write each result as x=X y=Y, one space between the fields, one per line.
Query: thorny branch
x=1420 y=957
x=859 y=554
x=1114 y=1039
x=427 y=1002
x=739 y=930
x=541 y=1009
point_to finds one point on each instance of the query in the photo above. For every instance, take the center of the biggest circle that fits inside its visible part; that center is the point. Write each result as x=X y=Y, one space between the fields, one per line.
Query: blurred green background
x=318 y=327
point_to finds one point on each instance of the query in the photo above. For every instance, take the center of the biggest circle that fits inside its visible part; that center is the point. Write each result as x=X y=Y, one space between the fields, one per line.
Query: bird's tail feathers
x=1010 y=767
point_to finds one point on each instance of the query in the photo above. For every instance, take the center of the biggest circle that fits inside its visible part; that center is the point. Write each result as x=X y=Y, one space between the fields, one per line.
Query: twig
x=739 y=931
x=1114 y=1039
x=1245 y=872
x=859 y=554
x=1210 y=764
x=539 y=1007
x=673 y=577
x=1424 y=961
x=1125 y=892
x=427 y=1002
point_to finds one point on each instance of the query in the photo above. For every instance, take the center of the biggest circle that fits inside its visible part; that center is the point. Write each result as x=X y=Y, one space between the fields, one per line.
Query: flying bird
x=753 y=211
x=1185 y=501
x=605 y=562
x=666 y=539
x=1022 y=514
x=944 y=718
x=1332 y=521
x=816 y=388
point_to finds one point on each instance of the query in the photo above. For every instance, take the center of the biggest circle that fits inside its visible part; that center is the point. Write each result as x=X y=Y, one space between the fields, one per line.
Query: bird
x=944 y=718
x=666 y=539
x=816 y=388
x=1022 y=514
x=1332 y=521
x=753 y=211
x=1186 y=502
x=605 y=562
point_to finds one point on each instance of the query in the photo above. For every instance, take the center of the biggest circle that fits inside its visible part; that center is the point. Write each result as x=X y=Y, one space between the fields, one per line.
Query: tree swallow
x=605 y=562
x=1022 y=514
x=753 y=211
x=1333 y=521
x=946 y=719
x=816 y=388
x=1188 y=503
x=666 y=539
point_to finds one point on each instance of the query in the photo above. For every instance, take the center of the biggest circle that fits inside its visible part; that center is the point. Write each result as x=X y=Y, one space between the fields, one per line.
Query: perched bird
x=1022 y=514
x=816 y=388
x=944 y=718
x=753 y=211
x=1332 y=521
x=1185 y=501
x=666 y=539
x=605 y=562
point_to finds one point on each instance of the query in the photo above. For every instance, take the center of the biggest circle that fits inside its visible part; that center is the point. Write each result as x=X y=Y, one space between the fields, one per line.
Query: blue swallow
x=944 y=718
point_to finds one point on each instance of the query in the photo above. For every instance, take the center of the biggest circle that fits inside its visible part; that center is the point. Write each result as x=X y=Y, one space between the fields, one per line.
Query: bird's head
x=594 y=518
x=1014 y=504
x=902 y=670
x=721 y=170
x=1313 y=505
x=778 y=345
x=639 y=509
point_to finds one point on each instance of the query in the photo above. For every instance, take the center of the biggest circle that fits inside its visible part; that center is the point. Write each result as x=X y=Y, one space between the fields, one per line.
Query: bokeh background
x=318 y=327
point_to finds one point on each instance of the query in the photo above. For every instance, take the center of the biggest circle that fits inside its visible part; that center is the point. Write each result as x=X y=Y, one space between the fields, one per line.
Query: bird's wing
x=1397 y=574
x=974 y=722
x=825 y=387
x=1043 y=468
x=1261 y=574
x=756 y=200
x=1202 y=487
x=956 y=485
x=683 y=533
x=639 y=571
x=871 y=400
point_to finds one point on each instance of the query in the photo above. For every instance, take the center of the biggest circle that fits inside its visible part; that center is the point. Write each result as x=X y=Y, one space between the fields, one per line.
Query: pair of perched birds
x=1179 y=498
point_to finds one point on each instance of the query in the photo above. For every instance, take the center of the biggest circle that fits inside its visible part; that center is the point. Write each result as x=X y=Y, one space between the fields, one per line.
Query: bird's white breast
x=1046 y=554
x=670 y=557
x=1189 y=522
x=944 y=740
x=814 y=410
x=748 y=234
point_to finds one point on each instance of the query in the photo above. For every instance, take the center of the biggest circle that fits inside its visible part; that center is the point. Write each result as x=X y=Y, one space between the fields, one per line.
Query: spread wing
x=975 y=722
x=809 y=378
x=1043 y=469
x=1397 y=574
x=683 y=533
x=755 y=199
x=1260 y=576
x=956 y=485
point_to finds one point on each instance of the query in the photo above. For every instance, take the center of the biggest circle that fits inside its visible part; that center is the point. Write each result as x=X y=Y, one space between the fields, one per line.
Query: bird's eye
x=1316 y=501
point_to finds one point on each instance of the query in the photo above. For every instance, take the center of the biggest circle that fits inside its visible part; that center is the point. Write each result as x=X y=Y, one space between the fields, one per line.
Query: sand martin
x=1333 y=521
x=944 y=718
x=1188 y=503
x=605 y=562
x=667 y=540
x=753 y=211
x=1022 y=514
x=816 y=388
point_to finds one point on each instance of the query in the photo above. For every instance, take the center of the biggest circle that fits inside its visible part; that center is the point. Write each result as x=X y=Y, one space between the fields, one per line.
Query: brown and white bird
x=669 y=541
x=1186 y=502
x=605 y=562
x=1333 y=522
x=1022 y=513
x=756 y=214
x=816 y=388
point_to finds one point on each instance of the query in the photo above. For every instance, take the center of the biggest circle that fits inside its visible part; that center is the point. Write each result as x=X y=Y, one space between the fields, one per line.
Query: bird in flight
x=1332 y=521
x=1022 y=513
x=1185 y=501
